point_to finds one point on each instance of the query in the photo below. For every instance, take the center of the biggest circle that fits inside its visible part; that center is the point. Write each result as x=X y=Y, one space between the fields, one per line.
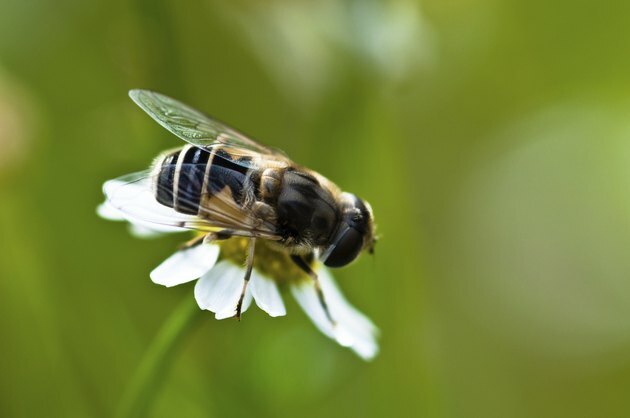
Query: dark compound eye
x=347 y=248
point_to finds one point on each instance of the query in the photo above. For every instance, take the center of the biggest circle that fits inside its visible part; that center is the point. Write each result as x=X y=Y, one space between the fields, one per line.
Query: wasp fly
x=223 y=184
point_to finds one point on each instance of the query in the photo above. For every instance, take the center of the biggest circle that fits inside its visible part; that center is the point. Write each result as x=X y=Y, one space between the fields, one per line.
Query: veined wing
x=134 y=195
x=195 y=127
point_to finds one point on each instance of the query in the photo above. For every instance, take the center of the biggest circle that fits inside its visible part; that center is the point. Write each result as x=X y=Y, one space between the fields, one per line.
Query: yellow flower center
x=268 y=260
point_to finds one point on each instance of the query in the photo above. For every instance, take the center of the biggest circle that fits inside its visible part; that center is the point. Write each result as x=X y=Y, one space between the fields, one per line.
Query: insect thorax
x=307 y=212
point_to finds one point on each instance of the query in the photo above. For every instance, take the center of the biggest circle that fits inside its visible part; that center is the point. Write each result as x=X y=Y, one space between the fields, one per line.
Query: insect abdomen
x=190 y=180
x=226 y=171
x=191 y=176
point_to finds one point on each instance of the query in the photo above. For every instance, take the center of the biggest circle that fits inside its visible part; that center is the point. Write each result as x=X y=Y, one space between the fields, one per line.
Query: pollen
x=269 y=261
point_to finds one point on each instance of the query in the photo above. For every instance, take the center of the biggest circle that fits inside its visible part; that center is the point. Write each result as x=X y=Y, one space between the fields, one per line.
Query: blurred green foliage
x=491 y=138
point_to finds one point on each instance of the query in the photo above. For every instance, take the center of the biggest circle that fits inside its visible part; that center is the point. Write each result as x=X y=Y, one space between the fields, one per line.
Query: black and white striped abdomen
x=186 y=178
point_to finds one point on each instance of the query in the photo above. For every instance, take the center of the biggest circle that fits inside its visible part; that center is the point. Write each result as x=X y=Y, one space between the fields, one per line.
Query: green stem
x=150 y=374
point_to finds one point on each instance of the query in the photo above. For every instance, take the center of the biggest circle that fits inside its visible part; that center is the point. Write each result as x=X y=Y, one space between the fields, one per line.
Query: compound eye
x=347 y=248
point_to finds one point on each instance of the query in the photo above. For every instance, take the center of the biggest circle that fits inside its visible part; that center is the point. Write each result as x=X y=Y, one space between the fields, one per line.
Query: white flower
x=220 y=274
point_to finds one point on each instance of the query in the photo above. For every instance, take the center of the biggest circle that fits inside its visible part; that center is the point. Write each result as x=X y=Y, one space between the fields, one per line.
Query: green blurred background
x=492 y=139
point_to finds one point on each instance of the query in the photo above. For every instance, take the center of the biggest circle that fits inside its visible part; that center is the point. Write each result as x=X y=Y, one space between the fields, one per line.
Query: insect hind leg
x=248 y=274
x=306 y=268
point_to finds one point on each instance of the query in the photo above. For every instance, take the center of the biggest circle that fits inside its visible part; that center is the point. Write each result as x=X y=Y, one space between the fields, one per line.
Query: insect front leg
x=306 y=268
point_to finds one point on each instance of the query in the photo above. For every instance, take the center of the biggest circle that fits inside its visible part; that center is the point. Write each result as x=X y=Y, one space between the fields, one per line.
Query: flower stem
x=154 y=366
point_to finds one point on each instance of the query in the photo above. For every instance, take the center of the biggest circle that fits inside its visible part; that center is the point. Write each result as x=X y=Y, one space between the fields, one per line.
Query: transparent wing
x=133 y=195
x=196 y=128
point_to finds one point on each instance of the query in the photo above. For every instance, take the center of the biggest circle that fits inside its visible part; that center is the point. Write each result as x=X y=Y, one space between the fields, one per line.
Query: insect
x=224 y=184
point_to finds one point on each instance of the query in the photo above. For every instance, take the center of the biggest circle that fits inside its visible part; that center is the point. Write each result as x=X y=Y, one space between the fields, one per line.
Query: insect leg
x=306 y=268
x=248 y=274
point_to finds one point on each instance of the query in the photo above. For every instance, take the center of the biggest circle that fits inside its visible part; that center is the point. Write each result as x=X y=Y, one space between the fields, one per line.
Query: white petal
x=306 y=296
x=266 y=295
x=219 y=290
x=352 y=328
x=186 y=265
x=106 y=211
x=141 y=231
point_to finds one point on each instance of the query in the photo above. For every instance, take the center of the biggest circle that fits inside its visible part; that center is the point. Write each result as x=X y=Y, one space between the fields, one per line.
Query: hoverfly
x=224 y=184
